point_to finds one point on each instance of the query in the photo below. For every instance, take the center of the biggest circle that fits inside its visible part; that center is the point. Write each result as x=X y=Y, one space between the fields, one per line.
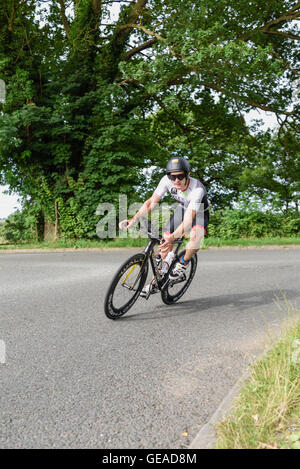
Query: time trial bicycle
x=129 y=280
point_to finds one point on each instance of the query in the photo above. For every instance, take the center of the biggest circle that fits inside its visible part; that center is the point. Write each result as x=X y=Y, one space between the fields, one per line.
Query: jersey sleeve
x=162 y=187
x=196 y=199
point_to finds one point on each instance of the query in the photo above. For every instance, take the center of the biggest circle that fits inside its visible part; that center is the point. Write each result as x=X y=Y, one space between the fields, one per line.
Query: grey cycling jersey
x=192 y=197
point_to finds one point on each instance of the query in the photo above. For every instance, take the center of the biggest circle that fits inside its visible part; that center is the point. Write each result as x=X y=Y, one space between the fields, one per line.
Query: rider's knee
x=196 y=237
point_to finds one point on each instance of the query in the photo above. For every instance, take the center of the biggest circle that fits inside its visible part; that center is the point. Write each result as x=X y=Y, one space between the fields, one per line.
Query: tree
x=90 y=100
x=275 y=177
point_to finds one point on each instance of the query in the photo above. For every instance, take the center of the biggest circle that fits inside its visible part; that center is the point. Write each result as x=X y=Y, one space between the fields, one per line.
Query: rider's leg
x=194 y=244
x=196 y=236
x=197 y=233
x=177 y=217
x=175 y=220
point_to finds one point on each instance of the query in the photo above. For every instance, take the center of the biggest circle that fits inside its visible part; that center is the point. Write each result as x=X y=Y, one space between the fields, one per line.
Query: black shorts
x=201 y=218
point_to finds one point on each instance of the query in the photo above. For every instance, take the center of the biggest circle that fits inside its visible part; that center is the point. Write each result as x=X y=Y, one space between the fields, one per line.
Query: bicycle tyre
x=111 y=311
x=166 y=294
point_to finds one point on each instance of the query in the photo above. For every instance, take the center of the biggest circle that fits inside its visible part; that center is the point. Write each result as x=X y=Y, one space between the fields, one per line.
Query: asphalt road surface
x=74 y=379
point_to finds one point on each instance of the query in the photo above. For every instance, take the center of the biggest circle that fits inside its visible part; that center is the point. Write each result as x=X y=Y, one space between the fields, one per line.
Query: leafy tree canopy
x=93 y=100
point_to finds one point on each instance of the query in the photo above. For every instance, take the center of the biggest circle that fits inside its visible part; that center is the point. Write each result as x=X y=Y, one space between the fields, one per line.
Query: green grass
x=266 y=414
x=140 y=242
x=250 y=241
x=79 y=243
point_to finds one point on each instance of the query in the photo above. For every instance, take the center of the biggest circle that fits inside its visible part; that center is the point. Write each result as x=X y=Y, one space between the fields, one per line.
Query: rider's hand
x=125 y=224
x=166 y=243
x=169 y=238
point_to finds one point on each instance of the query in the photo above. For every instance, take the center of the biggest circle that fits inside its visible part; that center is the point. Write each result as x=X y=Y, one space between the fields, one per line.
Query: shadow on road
x=243 y=301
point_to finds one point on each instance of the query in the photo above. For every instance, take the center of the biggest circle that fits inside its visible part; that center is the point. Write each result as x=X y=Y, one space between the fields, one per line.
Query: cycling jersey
x=192 y=197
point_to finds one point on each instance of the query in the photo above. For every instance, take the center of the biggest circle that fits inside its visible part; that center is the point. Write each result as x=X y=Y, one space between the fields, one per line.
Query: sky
x=8 y=203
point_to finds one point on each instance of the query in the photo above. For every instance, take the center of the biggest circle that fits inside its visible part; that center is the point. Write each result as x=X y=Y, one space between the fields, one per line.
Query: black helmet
x=178 y=164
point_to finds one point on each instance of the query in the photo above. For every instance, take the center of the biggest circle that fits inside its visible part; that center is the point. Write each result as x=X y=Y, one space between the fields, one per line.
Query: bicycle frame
x=161 y=280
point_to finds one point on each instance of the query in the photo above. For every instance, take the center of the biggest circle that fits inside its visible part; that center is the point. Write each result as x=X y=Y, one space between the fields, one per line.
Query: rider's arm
x=157 y=195
x=144 y=210
x=146 y=207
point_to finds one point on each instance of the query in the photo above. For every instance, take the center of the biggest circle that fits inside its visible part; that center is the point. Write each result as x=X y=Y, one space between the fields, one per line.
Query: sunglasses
x=173 y=177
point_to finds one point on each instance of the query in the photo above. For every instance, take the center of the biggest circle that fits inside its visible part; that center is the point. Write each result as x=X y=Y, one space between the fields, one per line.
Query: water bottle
x=158 y=260
x=167 y=262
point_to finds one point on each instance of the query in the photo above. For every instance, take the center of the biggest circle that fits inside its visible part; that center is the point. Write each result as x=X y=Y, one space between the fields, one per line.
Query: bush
x=227 y=224
x=18 y=228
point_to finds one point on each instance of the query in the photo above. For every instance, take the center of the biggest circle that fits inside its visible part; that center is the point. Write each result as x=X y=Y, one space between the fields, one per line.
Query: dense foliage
x=231 y=224
x=225 y=224
x=93 y=100
x=18 y=228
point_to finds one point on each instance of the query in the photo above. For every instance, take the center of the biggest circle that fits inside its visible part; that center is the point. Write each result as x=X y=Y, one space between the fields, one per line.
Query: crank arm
x=128 y=287
x=174 y=282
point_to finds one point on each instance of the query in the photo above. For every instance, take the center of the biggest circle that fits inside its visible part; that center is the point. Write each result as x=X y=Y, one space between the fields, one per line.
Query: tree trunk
x=56 y=221
x=49 y=231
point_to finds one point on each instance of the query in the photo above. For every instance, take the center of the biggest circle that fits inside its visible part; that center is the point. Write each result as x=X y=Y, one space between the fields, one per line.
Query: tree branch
x=249 y=101
x=15 y=7
x=150 y=33
x=64 y=17
x=123 y=31
x=97 y=7
x=138 y=49
x=116 y=47
x=281 y=33
x=12 y=18
x=290 y=15
x=287 y=65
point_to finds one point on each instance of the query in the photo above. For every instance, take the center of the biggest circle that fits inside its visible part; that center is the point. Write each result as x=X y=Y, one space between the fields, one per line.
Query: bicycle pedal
x=145 y=296
x=149 y=290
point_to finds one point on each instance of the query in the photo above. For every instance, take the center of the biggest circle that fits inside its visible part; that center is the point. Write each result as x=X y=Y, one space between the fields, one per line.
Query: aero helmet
x=178 y=164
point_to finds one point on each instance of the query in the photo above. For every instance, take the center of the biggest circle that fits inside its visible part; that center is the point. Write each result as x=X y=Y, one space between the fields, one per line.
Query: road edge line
x=266 y=247
x=207 y=436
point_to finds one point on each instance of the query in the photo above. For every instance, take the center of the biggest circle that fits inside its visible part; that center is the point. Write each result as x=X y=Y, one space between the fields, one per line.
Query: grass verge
x=79 y=243
x=266 y=413
x=141 y=242
x=250 y=241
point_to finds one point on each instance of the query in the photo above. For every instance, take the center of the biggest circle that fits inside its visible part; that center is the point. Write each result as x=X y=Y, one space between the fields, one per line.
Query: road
x=75 y=379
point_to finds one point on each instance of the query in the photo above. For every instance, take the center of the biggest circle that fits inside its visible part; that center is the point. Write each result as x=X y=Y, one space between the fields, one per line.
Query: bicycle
x=131 y=277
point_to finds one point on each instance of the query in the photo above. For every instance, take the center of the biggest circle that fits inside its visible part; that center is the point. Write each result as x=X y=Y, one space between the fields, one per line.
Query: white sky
x=8 y=203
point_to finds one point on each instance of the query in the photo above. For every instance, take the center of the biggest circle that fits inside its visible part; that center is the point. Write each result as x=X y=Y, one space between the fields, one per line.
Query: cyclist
x=191 y=214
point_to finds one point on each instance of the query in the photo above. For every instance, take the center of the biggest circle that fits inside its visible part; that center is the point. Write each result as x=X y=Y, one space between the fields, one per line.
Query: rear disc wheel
x=174 y=291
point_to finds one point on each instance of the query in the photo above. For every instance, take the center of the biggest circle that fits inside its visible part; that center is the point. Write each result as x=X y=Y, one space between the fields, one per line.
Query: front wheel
x=174 y=291
x=126 y=286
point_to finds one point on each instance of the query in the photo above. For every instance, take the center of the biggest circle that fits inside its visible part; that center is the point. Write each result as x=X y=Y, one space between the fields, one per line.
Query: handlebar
x=151 y=235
